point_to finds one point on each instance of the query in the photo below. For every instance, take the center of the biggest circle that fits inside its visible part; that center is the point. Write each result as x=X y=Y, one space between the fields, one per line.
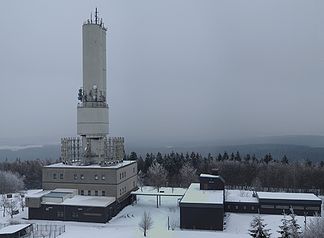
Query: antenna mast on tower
x=96 y=16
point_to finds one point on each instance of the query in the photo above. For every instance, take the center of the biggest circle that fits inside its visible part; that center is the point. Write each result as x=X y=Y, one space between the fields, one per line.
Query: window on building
x=252 y=207
x=103 y=193
x=82 y=192
x=89 y=192
x=75 y=215
x=120 y=176
x=133 y=184
x=103 y=177
x=54 y=176
x=96 y=177
x=81 y=176
x=96 y=193
x=244 y=207
x=120 y=191
x=267 y=206
x=298 y=207
x=134 y=170
x=313 y=208
x=60 y=214
x=236 y=207
x=61 y=176
x=75 y=176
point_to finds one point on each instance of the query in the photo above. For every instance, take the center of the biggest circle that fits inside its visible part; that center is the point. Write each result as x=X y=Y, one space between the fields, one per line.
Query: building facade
x=93 y=182
x=205 y=204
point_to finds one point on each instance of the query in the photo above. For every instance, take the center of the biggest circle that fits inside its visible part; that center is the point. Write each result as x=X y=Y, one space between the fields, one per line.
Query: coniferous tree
x=258 y=228
x=294 y=227
x=284 y=228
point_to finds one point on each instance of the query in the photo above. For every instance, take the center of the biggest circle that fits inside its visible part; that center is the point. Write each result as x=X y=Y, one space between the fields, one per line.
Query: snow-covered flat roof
x=195 y=195
x=288 y=196
x=240 y=196
x=87 y=201
x=118 y=165
x=13 y=228
x=38 y=194
x=209 y=176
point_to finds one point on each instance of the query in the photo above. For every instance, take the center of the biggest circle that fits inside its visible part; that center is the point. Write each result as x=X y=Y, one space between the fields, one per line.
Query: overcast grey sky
x=177 y=70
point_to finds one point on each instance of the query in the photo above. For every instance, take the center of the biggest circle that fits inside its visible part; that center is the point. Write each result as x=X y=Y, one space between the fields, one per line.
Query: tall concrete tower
x=93 y=146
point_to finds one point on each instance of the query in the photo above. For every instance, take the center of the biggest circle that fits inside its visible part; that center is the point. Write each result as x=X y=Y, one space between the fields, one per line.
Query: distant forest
x=180 y=169
x=249 y=171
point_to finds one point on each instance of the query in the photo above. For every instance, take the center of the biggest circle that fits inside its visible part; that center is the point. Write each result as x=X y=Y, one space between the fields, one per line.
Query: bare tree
x=21 y=200
x=187 y=175
x=3 y=204
x=11 y=205
x=157 y=175
x=315 y=228
x=146 y=222
x=140 y=179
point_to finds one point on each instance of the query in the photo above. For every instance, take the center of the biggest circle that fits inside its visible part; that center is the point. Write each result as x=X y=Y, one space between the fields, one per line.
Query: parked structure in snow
x=203 y=206
x=95 y=179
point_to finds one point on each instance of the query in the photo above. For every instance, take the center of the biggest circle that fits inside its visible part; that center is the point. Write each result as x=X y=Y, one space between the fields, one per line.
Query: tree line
x=29 y=171
x=178 y=169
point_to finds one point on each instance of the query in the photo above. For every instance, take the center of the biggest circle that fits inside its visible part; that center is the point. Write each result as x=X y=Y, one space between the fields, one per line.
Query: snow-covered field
x=125 y=224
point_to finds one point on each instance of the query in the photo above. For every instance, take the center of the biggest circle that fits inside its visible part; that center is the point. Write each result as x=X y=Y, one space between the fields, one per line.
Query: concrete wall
x=94 y=57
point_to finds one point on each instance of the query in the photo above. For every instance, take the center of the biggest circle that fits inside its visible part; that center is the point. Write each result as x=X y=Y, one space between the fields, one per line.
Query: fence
x=47 y=230
x=42 y=230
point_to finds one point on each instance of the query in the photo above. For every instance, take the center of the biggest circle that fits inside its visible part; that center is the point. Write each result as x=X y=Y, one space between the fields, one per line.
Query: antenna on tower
x=91 y=17
x=96 y=16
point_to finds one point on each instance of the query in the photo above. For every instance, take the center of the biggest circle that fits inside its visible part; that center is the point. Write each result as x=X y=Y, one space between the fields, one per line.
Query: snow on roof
x=209 y=176
x=87 y=201
x=195 y=195
x=118 y=165
x=38 y=194
x=288 y=196
x=13 y=228
x=240 y=196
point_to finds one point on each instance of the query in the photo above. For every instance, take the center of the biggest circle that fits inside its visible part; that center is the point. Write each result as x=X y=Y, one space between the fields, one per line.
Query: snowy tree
x=140 y=179
x=294 y=227
x=284 y=228
x=10 y=182
x=258 y=228
x=146 y=222
x=315 y=228
x=157 y=175
x=187 y=174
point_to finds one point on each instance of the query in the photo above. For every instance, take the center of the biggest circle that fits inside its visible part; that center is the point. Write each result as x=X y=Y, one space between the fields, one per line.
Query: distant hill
x=293 y=152
x=294 y=147
x=50 y=152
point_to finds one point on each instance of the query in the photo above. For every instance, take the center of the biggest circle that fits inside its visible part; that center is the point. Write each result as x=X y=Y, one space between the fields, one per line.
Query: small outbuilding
x=16 y=231
x=277 y=203
x=202 y=206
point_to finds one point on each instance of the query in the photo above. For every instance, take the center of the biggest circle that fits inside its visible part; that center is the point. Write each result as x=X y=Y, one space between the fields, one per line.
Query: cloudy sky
x=179 y=70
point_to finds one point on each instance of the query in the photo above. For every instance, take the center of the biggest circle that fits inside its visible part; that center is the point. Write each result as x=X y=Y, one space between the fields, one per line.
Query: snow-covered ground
x=125 y=224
